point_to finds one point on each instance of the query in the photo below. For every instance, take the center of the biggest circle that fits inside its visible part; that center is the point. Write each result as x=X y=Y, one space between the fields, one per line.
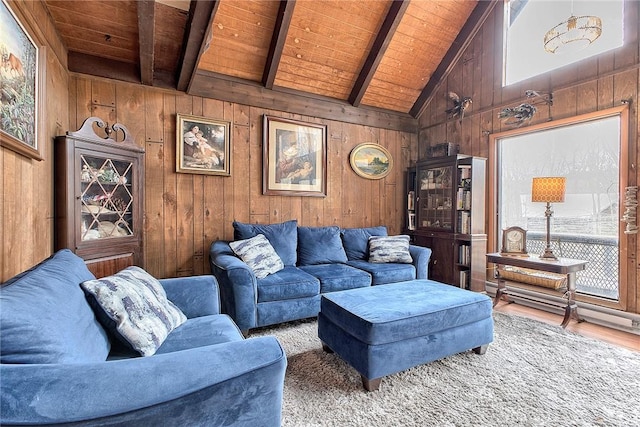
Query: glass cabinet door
x=434 y=198
x=106 y=197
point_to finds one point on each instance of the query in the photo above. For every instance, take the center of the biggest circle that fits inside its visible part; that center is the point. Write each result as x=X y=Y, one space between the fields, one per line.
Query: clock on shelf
x=514 y=242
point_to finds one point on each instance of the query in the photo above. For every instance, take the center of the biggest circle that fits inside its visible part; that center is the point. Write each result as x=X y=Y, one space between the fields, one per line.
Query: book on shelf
x=463 y=199
x=464 y=255
x=464 y=222
x=412 y=221
x=465 y=172
x=464 y=279
x=411 y=200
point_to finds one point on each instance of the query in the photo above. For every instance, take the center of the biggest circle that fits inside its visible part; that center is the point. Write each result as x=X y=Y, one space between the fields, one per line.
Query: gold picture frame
x=514 y=242
x=203 y=146
x=23 y=81
x=294 y=158
x=371 y=161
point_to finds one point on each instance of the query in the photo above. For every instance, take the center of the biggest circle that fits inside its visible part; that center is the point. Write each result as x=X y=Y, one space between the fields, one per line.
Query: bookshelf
x=446 y=212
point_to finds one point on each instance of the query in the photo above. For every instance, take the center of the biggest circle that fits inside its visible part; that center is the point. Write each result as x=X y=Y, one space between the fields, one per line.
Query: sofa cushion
x=133 y=306
x=200 y=332
x=283 y=237
x=382 y=273
x=45 y=318
x=289 y=283
x=356 y=240
x=258 y=254
x=389 y=249
x=338 y=277
x=320 y=245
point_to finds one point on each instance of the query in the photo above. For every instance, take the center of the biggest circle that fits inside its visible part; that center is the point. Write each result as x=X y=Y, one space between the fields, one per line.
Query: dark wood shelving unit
x=446 y=212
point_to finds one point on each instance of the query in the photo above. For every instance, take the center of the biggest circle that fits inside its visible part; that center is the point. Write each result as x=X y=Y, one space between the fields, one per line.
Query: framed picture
x=203 y=146
x=294 y=158
x=371 y=161
x=514 y=242
x=21 y=82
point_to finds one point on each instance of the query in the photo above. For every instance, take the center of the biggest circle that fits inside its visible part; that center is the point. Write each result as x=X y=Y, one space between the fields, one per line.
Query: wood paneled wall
x=591 y=85
x=185 y=213
x=26 y=206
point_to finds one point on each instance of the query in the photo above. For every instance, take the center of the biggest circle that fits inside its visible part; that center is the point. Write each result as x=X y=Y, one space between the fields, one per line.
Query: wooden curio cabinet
x=446 y=212
x=99 y=184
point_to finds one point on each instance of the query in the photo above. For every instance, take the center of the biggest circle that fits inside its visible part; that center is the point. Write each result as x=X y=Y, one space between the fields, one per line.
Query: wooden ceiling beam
x=283 y=20
x=197 y=37
x=225 y=88
x=103 y=67
x=462 y=41
x=146 y=39
x=388 y=28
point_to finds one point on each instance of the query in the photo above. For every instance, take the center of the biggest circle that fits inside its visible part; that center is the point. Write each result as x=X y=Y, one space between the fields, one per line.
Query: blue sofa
x=316 y=260
x=60 y=366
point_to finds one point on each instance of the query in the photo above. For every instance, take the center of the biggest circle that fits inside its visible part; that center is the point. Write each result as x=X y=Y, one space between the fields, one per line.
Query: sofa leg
x=371 y=385
x=326 y=348
x=481 y=350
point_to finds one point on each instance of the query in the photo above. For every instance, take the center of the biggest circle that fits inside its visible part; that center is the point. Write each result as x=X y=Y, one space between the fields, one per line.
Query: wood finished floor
x=612 y=336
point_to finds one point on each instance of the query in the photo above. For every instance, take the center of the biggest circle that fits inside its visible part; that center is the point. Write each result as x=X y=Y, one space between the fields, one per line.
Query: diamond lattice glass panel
x=106 y=198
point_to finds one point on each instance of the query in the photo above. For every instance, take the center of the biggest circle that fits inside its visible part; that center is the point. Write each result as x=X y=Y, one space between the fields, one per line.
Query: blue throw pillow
x=45 y=318
x=320 y=245
x=283 y=237
x=384 y=249
x=356 y=241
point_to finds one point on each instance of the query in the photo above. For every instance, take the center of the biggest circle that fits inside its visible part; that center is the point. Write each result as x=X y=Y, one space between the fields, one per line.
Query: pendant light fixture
x=576 y=33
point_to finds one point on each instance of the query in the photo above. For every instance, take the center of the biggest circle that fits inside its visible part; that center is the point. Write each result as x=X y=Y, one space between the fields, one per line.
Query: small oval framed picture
x=371 y=161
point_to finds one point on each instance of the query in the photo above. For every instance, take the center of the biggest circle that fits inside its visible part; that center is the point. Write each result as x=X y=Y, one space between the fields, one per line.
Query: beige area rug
x=533 y=374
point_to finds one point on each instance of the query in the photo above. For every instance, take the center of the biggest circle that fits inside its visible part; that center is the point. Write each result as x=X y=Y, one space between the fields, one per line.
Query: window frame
x=493 y=213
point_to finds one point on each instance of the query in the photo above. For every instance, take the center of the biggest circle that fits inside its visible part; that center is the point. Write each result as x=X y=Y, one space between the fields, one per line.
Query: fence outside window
x=600 y=277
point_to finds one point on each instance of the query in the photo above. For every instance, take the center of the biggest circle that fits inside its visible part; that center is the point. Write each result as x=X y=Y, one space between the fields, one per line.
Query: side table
x=566 y=266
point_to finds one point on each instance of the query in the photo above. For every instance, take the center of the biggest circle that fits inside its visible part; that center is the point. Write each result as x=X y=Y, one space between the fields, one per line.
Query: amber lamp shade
x=548 y=189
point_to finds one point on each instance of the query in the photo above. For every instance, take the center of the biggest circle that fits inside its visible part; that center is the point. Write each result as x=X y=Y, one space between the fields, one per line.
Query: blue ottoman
x=384 y=329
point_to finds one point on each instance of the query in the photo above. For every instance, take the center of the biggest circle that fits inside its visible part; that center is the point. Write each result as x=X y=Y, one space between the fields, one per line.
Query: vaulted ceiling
x=377 y=56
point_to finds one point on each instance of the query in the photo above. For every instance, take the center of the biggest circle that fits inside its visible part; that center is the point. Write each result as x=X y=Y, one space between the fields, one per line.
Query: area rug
x=533 y=374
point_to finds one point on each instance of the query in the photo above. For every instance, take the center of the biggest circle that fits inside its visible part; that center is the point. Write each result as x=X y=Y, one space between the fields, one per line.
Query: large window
x=587 y=151
x=527 y=21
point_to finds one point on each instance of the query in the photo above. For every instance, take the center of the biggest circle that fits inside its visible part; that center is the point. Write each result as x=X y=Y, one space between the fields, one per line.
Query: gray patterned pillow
x=133 y=306
x=389 y=249
x=259 y=255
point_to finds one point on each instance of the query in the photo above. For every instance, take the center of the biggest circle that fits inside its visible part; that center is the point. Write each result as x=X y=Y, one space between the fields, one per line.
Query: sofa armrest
x=200 y=386
x=420 y=256
x=238 y=285
x=195 y=295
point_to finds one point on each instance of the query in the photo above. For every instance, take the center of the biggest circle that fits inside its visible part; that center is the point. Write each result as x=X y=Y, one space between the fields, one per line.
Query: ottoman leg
x=481 y=350
x=371 y=385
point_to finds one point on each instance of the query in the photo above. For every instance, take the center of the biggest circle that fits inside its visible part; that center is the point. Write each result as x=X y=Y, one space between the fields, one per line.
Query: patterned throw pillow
x=389 y=249
x=259 y=255
x=134 y=307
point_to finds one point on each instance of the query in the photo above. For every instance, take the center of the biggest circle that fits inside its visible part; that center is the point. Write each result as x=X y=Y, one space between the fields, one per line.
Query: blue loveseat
x=316 y=260
x=59 y=364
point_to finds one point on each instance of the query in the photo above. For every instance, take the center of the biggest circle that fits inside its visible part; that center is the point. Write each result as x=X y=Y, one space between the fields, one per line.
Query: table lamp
x=548 y=189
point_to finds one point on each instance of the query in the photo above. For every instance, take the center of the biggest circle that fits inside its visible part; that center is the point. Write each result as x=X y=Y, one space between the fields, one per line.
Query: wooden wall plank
x=169 y=194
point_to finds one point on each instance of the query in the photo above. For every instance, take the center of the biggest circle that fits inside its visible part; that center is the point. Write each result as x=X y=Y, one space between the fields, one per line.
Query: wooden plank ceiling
x=372 y=55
